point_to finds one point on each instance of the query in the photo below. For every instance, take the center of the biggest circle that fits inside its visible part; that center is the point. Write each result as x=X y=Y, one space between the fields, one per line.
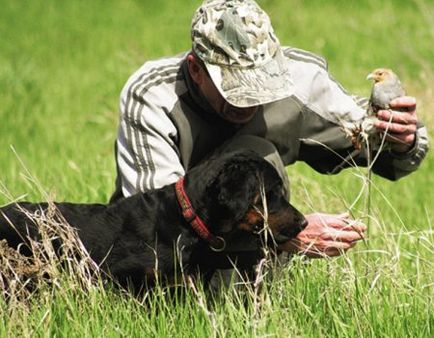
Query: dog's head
x=240 y=192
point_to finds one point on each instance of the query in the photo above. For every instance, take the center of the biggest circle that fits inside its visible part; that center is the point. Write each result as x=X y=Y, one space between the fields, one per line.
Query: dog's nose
x=303 y=223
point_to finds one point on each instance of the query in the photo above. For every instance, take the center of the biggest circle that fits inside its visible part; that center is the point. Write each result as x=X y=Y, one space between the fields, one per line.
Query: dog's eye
x=256 y=229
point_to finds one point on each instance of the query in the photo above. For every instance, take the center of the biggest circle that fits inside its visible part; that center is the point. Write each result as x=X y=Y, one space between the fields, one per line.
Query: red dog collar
x=216 y=243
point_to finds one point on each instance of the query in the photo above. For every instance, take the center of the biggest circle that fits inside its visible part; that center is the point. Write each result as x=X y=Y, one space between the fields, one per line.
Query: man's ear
x=195 y=69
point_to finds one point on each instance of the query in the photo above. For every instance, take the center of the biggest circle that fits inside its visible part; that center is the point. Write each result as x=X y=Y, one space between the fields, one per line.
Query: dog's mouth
x=250 y=239
x=281 y=238
x=289 y=233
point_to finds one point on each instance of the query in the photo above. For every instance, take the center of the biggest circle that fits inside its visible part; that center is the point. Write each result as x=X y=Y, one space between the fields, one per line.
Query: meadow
x=62 y=66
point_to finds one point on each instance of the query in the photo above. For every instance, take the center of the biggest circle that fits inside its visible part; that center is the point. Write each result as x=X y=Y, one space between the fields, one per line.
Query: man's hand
x=401 y=125
x=326 y=235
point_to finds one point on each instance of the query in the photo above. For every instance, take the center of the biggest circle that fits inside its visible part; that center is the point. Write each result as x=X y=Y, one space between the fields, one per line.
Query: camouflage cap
x=235 y=40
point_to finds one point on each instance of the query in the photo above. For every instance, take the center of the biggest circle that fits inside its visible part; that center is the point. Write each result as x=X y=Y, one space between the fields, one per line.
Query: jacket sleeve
x=327 y=147
x=394 y=165
x=147 y=153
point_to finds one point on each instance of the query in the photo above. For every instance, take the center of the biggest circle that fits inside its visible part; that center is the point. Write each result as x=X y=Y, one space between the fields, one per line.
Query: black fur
x=125 y=237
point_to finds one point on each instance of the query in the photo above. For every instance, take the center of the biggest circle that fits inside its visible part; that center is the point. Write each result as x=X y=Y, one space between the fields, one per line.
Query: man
x=238 y=88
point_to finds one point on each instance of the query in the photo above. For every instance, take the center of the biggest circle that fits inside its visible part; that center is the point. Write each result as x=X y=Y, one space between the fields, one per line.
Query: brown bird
x=386 y=88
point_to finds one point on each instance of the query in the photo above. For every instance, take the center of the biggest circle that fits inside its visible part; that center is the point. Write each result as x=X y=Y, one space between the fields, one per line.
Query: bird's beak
x=370 y=76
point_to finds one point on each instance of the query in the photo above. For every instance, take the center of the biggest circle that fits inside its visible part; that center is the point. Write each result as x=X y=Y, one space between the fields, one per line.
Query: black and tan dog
x=217 y=204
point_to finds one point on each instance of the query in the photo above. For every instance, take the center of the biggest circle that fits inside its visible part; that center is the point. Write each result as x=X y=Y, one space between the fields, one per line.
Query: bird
x=386 y=87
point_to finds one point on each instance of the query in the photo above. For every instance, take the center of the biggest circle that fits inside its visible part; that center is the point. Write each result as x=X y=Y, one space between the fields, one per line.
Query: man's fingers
x=356 y=226
x=404 y=101
x=396 y=128
x=327 y=245
x=342 y=236
x=400 y=128
x=407 y=139
x=397 y=117
x=343 y=222
x=399 y=123
x=344 y=215
x=346 y=224
x=327 y=249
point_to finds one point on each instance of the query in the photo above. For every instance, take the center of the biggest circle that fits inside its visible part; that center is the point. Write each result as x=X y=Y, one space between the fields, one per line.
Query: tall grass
x=62 y=66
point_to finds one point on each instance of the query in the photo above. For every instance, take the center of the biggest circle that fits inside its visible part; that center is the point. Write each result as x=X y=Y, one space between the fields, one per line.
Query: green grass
x=62 y=66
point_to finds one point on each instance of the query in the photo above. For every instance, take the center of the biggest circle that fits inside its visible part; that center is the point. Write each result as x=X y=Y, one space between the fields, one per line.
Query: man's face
x=223 y=108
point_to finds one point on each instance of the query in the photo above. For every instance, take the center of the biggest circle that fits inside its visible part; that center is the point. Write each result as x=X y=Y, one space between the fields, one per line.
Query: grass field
x=62 y=66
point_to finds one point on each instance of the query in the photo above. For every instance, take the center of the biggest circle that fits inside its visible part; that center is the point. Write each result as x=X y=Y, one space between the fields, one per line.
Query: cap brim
x=247 y=87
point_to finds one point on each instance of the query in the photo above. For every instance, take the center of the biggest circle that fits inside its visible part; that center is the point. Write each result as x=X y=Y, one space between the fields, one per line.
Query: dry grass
x=21 y=276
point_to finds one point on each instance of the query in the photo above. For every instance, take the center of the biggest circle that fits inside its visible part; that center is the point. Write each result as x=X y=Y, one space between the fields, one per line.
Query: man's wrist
x=407 y=150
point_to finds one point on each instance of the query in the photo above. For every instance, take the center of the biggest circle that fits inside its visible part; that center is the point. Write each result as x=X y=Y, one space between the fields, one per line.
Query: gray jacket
x=166 y=127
